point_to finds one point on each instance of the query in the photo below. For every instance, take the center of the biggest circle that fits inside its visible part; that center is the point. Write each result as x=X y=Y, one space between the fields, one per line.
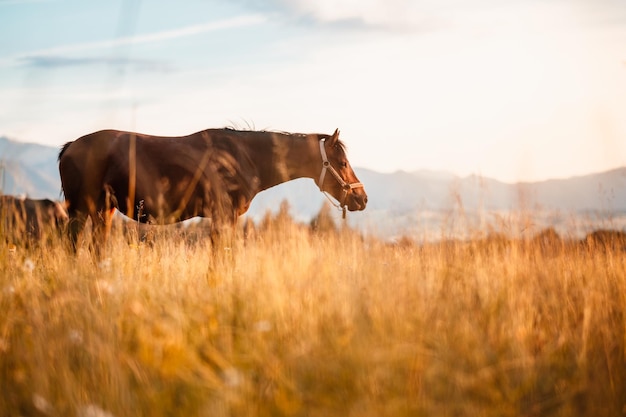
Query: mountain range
x=421 y=203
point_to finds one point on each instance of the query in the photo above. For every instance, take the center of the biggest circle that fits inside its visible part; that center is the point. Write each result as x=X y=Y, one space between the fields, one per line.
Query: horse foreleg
x=101 y=214
x=101 y=225
x=223 y=234
x=75 y=225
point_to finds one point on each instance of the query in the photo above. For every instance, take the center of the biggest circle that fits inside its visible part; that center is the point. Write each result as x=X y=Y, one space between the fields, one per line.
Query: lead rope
x=339 y=207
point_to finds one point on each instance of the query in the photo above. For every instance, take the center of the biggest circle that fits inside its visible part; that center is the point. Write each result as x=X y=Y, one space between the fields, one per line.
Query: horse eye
x=344 y=164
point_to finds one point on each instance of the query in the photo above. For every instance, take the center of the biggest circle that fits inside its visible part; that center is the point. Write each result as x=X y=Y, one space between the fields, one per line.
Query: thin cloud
x=47 y=61
x=388 y=15
x=232 y=23
x=427 y=15
x=19 y=2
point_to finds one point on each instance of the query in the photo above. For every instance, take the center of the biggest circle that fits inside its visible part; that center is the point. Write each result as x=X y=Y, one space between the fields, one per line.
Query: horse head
x=343 y=183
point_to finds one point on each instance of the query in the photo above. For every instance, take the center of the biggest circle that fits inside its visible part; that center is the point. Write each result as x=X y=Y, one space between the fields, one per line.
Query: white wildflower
x=29 y=265
x=232 y=377
x=76 y=337
x=42 y=405
x=105 y=265
x=105 y=286
x=263 y=326
x=93 y=410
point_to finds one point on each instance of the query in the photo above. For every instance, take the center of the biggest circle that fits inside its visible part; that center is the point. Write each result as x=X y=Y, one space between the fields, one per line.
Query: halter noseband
x=326 y=166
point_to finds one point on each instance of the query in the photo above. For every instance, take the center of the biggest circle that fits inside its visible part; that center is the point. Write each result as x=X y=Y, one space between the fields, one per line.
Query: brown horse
x=213 y=173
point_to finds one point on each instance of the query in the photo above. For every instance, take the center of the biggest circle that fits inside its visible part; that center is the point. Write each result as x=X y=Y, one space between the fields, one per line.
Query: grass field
x=300 y=324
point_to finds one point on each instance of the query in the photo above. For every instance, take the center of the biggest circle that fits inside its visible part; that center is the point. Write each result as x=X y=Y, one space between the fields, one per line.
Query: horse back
x=112 y=168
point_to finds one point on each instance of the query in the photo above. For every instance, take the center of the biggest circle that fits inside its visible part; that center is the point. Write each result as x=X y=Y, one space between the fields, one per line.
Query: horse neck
x=288 y=157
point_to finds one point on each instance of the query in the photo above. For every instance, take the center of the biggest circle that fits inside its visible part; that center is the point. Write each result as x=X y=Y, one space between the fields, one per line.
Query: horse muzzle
x=356 y=201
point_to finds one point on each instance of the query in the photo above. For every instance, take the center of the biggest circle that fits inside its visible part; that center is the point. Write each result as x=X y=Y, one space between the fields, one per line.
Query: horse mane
x=320 y=136
x=252 y=129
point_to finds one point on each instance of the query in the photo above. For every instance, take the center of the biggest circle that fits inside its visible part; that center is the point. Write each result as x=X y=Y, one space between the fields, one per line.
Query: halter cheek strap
x=326 y=166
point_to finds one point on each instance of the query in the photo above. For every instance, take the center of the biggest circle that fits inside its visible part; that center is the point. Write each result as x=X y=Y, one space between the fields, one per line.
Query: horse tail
x=65 y=187
x=63 y=149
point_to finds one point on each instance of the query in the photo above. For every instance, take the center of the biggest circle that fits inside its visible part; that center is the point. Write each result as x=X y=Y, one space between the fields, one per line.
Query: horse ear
x=334 y=138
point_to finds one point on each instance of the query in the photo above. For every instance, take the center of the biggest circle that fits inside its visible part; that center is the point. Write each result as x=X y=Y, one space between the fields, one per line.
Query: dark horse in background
x=28 y=221
x=214 y=173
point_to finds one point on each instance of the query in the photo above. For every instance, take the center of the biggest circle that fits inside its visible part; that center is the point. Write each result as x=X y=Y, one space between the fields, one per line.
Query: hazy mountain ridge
x=29 y=169
x=399 y=202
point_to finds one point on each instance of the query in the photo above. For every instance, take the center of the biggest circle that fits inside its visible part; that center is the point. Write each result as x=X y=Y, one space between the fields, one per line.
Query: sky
x=516 y=90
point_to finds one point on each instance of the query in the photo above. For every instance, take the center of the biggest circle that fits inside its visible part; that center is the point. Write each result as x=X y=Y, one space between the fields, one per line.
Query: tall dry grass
x=299 y=324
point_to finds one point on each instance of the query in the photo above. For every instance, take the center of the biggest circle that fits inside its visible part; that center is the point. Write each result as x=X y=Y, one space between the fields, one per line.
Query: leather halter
x=326 y=166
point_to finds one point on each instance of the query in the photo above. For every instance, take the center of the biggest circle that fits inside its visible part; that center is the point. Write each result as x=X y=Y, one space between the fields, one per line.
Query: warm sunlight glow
x=523 y=91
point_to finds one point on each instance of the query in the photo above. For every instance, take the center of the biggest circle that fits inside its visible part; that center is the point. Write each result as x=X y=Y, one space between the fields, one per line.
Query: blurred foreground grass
x=299 y=324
